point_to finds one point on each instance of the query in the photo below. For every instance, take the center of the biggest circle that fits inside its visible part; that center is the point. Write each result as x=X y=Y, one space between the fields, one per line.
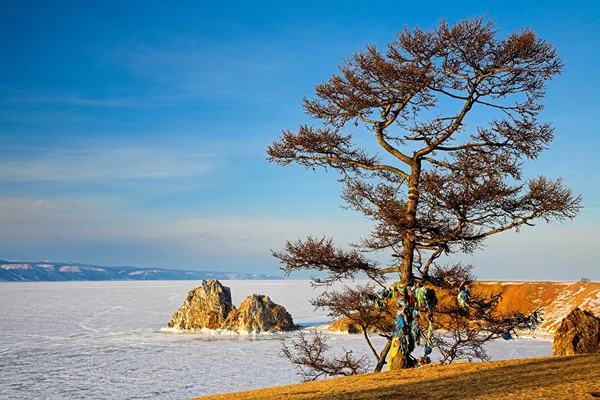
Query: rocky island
x=209 y=306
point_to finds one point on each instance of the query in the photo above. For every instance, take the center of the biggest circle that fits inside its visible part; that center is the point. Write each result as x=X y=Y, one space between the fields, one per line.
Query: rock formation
x=206 y=306
x=579 y=333
x=209 y=306
x=257 y=313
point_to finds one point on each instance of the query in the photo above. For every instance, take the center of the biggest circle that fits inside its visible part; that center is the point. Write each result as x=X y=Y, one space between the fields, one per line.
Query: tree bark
x=382 y=356
x=406 y=270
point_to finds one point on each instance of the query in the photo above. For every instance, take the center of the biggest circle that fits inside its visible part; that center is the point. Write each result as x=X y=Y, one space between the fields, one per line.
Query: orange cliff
x=556 y=298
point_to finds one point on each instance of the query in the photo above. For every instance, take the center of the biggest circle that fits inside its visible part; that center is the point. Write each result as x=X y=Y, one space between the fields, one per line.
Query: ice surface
x=105 y=340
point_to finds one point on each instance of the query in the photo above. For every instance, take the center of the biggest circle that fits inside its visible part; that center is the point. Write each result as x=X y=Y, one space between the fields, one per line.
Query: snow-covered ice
x=105 y=340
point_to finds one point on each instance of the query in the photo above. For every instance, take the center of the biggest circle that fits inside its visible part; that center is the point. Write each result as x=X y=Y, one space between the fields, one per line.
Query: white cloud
x=102 y=164
x=105 y=218
x=196 y=67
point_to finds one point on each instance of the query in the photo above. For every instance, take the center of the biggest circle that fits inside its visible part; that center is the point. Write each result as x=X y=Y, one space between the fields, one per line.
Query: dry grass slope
x=573 y=377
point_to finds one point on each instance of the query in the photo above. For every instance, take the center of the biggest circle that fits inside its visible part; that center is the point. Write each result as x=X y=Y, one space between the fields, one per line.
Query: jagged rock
x=206 y=306
x=209 y=306
x=345 y=325
x=257 y=313
x=579 y=333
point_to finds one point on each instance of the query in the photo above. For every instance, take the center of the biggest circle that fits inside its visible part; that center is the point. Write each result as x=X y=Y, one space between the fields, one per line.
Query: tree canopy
x=439 y=181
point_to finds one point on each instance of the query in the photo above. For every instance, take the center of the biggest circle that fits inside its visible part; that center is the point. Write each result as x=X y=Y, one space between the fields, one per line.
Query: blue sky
x=134 y=133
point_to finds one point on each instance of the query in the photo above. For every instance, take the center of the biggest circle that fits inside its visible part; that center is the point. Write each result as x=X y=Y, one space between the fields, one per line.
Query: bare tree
x=436 y=180
x=311 y=358
x=355 y=305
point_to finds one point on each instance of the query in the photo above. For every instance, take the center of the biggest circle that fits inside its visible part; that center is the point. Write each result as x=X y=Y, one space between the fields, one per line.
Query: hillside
x=25 y=271
x=556 y=298
x=573 y=377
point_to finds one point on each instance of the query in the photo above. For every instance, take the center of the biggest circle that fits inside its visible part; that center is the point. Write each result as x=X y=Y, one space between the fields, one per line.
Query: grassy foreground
x=572 y=377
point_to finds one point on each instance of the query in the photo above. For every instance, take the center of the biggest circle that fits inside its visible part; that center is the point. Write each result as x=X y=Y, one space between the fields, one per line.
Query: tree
x=311 y=359
x=436 y=180
x=354 y=306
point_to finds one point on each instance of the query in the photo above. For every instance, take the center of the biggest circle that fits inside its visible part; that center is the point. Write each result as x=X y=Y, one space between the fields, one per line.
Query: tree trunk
x=408 y=243
x=398 y=361
x=406 y=275
x=382 y=356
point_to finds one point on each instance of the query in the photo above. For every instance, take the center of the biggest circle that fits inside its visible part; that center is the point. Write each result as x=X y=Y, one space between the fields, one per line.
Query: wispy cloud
x=208 y=69
x=176 y=71
x=105 y=219
x=76 y=165
x=108 y=101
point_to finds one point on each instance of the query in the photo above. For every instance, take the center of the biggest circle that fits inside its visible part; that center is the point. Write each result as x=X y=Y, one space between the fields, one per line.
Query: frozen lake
x=103 y=340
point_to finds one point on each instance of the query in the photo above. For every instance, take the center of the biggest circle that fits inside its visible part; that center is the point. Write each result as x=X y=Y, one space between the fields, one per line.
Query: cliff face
x=578 y=333
x=557 y=298
x=206 y=306
x=209 y=306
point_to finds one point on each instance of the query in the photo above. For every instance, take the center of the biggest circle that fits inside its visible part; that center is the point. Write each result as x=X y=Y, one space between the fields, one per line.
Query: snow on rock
x=15 y=266
x=578 y=333
x=209 y=307
x=95 y=269
x=45 y=266
x=70 y=268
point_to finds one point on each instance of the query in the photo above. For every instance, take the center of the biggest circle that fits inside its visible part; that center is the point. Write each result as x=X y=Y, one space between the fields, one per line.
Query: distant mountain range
x=23 y=271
